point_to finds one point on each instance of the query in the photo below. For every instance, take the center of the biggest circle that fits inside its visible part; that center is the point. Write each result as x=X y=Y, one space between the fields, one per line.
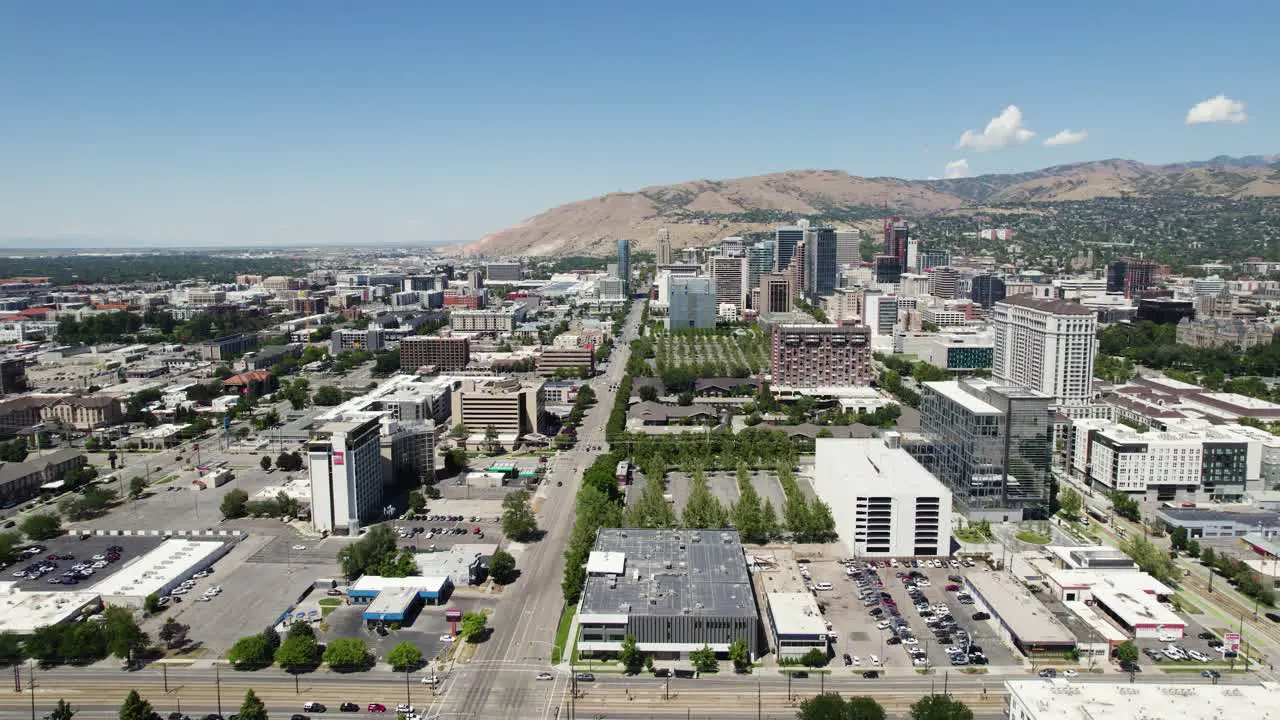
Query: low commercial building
x=445 y=353
x=1206 y=523
x=159 y=571
x=268 y=356
x=575 y=360
x=21 y=613
x=1131 y=599
x=1022 y=620
x=230 y=346
x=1064 y=700
x=675 y=591
x=397 y=599
x=21 y=481
x=371 y=339
x=885 y=503
x=796 y=624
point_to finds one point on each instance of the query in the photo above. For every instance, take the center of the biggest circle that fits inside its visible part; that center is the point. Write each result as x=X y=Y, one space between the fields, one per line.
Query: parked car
x=349 y=707
x=376 y=707
x=981 y=616
x=584 y=677
x=313 y=706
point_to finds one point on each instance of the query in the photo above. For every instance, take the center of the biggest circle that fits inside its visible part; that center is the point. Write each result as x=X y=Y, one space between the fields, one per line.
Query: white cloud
x=1068 y=137
x=1005 y=130
x=956 y=169
x=1220 y=109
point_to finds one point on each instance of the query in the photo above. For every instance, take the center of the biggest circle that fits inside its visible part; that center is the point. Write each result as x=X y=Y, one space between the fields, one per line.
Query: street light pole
x=31 y=684
x=217 y=674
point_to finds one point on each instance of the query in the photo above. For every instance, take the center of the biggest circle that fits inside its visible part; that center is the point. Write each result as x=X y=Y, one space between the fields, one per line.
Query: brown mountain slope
x=703 y=211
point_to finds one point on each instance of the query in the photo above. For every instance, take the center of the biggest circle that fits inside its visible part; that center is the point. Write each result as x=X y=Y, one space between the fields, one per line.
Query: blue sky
x=328 y=122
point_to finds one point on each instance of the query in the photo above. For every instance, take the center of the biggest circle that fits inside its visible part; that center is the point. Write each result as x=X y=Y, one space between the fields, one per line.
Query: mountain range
x=703 y=211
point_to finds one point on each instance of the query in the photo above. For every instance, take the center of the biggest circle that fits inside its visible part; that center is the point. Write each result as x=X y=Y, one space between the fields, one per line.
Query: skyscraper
x=664 y=247
x=730 y=277
x=797 y=270
x=942 y=283
x=820 y=258
x=896 y=234
x=759 y=261
x=888 y=269
x=987 y=290
x=775 y=293
x=1045 y=345
x=1131 y=276
x=848 y=250
x=785 y=240
x=624 y=262
x=691 y=303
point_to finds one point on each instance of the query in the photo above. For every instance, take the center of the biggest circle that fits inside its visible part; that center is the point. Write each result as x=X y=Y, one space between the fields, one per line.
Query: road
x=500 y=679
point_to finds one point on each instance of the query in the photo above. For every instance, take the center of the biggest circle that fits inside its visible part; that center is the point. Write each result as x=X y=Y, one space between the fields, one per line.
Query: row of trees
x=1245 y=579
x=236 y=504
x=830 y=706
x=376 y=554
x=300 y=651
x=81 y=643
x=597 y=505
x=718 y=448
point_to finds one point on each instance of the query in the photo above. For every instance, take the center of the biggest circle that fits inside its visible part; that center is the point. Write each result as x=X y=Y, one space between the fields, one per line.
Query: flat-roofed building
x=501 y=272
x=1045 y=345
x=445 y=353
x=1021 y=619
x=1064 y=700
x=157 y=572
x=580 y=360
x=885 y=504
x=806 y=356
x=345 y=462
x=501 y=320
x=675 y=591
x=508 y=406
x=23 y=612
x=225 y=348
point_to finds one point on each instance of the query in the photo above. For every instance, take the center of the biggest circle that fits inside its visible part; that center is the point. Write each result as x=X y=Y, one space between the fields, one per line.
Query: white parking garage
x=160 y=570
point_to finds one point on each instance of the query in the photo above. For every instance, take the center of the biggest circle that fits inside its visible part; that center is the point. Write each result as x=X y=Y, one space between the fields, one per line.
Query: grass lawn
x=1033 y=537
x=562 y=633
x=1188 y=606
x=328 y=605
x=970 y=535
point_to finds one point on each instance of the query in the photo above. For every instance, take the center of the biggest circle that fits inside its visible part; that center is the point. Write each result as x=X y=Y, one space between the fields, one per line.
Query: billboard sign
x=1232 y=641
x=339 y=458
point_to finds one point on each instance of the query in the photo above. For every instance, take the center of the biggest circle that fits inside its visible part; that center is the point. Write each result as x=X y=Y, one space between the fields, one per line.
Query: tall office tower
x=880 y=312
x=913 y=255
x=731 y=247
x=987 y=290
x=624 y=262
x=759 y=262
x=820 y=257
x=942 y=283
x=691 y=303
x=888 y=269
x=848 y=242
x=729 y=274
x=775 y=293
x=345 y=463
x=785 y=240
x=931 y=258
x=799 y=275
x=475 y=279
x=1047 y=346
x=896 y=235
x=991 y=444
x=664 y=247
x=1131 y=276
x=821 y=356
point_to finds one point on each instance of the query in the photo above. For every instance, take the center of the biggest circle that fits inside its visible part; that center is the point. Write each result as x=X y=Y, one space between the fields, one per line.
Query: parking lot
x=863 y=635
x=1153 y=648
x=724 y=486
x=80 y=551
x=425 y=631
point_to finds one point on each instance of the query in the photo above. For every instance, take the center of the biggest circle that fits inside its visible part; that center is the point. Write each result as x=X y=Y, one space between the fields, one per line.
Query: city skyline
x=151 y=124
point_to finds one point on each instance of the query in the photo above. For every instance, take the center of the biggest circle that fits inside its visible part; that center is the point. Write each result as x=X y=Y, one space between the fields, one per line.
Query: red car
x=377 y=707
x=952 y=588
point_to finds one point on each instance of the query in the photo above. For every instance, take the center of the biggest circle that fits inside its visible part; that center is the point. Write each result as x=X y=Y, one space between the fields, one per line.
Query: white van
x=822 y=586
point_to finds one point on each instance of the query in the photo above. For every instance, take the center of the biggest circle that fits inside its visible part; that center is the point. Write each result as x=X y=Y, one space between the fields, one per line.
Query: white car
x=432 y=680
x=299 y=547
x=920 y=662
x=882 y=625
x=952 y=650
x=910 y=641
x=873 y=660
x=1167 y=638
x=403 y=708
x=822 y=586
x=1174 y=654
x=1198 y=656
x=1069 y=673
x=99 y=557
x=201 y=574
x=857 y=661
x=546 y=676
x=179 y=591
x=446 y=638
x=99 y=565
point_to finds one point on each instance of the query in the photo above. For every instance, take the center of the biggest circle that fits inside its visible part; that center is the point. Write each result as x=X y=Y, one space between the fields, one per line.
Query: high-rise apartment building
x=1047 y=346
x=897 y=233
x=759 y=262
x=1131 y=276
x=942 y=283
x=624 y=262
x=991 y=444
x=775 y=293
x=730 y=277
x=987 y=290
x=785 y=240
x=445 y=353
x=664 y=247
x=345 y=463
x=848 y=246
x=820 y=257
x=818 y=356
x=880 y=312
x=691 y=303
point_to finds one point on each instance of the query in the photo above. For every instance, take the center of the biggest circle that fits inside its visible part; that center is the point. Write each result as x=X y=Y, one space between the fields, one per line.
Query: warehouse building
x=675 y=591
x=22 y=612
x=884 y=502
x=160 y=570
x=1021 y=619
x=1064 y=700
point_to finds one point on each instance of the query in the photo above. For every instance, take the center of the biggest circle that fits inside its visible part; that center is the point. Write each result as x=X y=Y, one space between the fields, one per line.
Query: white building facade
x=1047 y=346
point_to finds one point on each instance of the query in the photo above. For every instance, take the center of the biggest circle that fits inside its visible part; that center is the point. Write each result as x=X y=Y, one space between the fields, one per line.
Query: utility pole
x=217 y=675
x=759 y=701
x=165 y=669
x=31 y=683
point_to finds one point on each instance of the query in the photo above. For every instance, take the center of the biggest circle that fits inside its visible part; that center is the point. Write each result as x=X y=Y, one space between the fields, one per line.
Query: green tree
x=629 y=655
x=252 y=708
x=1127 y=653
x=265 y=463
x=740 y=655
x=404 y=657
x=502 y=567
x=491 y=438
x=1070 y=502
x=61 y=711
x=474 y=626
x=460 y=433
x=456 y=460
x=703 y=510
x=41 y=527
x=137 y=485
x=346 y=654
x=1151 y=559
x=173 y=633
x=11 y=651
x=1178 y=538
x=704 y=660
x=518 y=521
x=814 y=658
x=327 y=396
x=830 y=706
x=648 y=393
x=374 y=549
x=235 y=503
x=1207 y=558
x=124 y=638
x=417 y=502
x=940 y=707
x=251 y=652
x=9 y=542
x=1193 y=548
x=135 y=708
x=298 y=652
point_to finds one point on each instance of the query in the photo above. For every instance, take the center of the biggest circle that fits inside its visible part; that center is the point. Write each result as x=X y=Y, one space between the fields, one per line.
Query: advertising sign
x=1232 y=641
